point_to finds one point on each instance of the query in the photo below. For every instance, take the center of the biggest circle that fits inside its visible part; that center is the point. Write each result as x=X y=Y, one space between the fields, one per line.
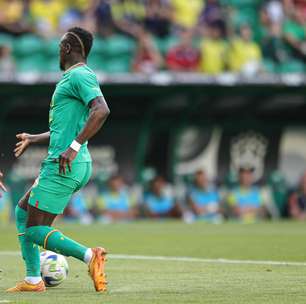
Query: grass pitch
x=174 y=281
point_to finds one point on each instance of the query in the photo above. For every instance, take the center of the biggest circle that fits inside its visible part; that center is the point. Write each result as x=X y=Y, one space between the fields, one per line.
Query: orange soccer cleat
x=28 y=287
x=96 y=268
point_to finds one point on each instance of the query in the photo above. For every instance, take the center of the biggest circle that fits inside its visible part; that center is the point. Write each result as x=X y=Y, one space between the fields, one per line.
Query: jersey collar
x=74 y=66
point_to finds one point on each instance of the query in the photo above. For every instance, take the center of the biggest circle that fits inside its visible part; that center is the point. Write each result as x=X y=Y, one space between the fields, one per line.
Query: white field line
x=185 y=259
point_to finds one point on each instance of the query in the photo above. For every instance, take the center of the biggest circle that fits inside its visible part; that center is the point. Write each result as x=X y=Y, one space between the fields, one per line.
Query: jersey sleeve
x=85 y=86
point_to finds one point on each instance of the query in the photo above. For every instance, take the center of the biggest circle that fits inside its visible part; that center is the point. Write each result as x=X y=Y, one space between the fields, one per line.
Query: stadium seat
x=29 y=53
x=291 y=66
x=112 y=55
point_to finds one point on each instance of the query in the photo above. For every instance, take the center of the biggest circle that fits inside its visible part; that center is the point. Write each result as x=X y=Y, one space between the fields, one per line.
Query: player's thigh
x=23 y=202
x=84 y=174
x=37 y=217
x=53 y=191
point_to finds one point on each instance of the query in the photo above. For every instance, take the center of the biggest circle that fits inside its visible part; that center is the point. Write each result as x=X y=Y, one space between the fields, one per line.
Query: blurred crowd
x=240 y=200
x=207 y=36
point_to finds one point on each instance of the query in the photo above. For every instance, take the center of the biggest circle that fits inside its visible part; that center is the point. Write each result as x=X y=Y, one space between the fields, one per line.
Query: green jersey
x=69 y=110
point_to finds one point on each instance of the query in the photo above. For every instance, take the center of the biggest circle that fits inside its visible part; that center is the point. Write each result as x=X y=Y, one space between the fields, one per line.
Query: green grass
x=149 y=281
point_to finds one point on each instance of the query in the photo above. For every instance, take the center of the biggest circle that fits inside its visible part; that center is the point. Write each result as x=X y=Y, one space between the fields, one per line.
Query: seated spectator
x=104 y=18
x=183 y=57
x=273 y=45
x=297 y=201
x=128 y=15
x=158 y=203
x=212 y=15
x=203 y=199
x=11 y=16
x=245 y=202
x=244 y=55
x=186 y=12
x=77 y=209
x=6 y=62
x=157 y=20
x=46 y=15
x=295 y=34
x=213 y=51
x=115 y=203
x=147 y=58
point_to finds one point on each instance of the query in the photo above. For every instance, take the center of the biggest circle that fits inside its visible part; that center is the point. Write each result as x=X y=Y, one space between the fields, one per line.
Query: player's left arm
x=99 y=111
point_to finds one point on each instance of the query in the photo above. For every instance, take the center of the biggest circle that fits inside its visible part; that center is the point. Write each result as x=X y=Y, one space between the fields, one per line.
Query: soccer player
x=77 y=111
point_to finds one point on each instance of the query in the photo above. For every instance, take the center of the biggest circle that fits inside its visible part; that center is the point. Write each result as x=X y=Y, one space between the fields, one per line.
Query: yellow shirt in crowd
x=11 y=11
x=128 y=7
x=241 y=52
x=213 y=56
x=186 y=12
x=48 y=11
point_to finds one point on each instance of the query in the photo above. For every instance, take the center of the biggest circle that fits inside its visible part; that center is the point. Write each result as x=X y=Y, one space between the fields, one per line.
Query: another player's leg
x=29 y=251
x=39 y=231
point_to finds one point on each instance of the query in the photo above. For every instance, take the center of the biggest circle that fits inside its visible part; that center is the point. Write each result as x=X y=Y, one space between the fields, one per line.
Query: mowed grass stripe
x=185 y=259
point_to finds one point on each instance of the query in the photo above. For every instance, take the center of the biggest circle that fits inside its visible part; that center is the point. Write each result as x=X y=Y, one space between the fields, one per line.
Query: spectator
x=128 y=15
x=115 y=204
x=77 y=209
x=213 y=50
x=183 y=57
x=295 y=34
x=77 y=13
x=297 y=201
x=6 y=62
x=158 y=203
x=212 y=15
x=186 y=12
x=46 y=15
x=244 y=54
x=273 y=45
x=203 y=199
x=147 y=58
x=246 y=201
x=104 y=18
x=158 y=16
x=11 y=16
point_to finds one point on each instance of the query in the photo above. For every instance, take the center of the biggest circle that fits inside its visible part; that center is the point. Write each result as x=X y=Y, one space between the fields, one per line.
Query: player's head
x=75 y=44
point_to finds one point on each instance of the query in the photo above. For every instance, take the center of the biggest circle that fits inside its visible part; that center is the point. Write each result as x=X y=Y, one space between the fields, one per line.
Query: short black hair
x=85 y=36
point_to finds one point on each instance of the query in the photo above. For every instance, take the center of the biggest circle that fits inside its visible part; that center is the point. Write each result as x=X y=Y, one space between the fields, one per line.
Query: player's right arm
x=26 y=139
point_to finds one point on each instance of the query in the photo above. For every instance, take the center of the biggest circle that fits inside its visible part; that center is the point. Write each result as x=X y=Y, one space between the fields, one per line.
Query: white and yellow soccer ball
x=53 y=267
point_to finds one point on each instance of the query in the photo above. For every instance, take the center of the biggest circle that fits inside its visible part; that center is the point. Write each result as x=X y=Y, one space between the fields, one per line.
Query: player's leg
x=29 y=251
x=50 y=198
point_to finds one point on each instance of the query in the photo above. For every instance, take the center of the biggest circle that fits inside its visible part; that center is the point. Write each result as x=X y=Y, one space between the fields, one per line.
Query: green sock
x=29 y=250
x=52 y=239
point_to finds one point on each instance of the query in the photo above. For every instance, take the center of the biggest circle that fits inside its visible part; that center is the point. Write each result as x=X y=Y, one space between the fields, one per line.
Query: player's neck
x=73 y=64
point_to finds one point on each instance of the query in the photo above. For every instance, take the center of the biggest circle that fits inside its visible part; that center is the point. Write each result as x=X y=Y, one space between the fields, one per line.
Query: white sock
x=88 y=256
x=33 y=280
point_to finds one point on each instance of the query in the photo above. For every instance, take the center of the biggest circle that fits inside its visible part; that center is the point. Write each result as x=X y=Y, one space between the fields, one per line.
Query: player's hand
x=22 y=144
x=66 y=159
x=2 y=187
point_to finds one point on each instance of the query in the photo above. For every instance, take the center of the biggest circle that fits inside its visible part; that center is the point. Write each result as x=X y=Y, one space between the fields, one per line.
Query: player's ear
x=67 y=48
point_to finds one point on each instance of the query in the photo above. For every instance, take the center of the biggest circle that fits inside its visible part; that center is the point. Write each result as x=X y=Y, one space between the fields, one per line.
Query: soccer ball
x=53 y=268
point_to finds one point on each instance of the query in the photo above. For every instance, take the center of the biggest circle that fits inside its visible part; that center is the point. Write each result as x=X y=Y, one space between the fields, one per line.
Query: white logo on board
x=249 y=150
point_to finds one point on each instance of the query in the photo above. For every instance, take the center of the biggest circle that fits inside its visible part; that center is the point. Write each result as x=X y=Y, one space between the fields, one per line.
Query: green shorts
x=52 y=191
